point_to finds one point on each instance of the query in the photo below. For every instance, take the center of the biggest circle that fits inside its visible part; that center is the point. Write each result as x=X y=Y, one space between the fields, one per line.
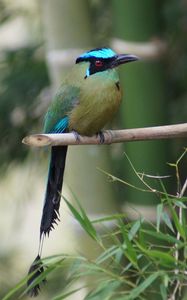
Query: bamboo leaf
x=180 y=204
x=107 y=254
x=176 y=221
x=109 y=218
x=65 y=295
x=128 y=266
x=83 y=220
x=178 y=226
x=103 y=291
x=142 y=287
x=167 y=221
x=15 y=289
x=129 y=251
x=134 y=229
x=159 y=213
x=164 y=258
x=162 y=236
x=163 y=292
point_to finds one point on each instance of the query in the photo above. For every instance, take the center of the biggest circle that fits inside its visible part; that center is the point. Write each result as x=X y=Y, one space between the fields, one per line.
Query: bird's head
x=102 y=59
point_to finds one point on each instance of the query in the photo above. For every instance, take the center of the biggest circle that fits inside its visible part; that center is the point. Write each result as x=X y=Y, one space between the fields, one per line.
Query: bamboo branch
x=110 y=136
x=152 y=49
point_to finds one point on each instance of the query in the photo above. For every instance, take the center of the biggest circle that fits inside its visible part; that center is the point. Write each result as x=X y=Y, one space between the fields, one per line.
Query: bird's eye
x=98 y=63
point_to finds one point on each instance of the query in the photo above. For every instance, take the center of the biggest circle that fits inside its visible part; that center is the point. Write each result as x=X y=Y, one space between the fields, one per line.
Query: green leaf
x=180 y=204
x=65 y=295
x=118 y=256
x=164 y=258
x=103 y=291
x=159 y=213
x=15 y=289
x=142 y=238
x=163 y=236
x=178 y=226
x=163 y=292
x=83 y=220
x=109 y=218
x=129 y=251
x=107 y=254
x=185 y=252
x=142 y=287
x=167 y=221
x=134 y=229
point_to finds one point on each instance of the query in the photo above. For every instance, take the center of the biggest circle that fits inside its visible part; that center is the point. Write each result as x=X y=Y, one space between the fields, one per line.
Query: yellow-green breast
x=99 y=99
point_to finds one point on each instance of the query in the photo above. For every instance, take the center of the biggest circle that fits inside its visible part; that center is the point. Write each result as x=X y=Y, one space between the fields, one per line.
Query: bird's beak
x=123 y=59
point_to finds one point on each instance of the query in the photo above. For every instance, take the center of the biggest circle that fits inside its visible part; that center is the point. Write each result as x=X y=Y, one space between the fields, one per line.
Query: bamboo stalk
x=110 y=136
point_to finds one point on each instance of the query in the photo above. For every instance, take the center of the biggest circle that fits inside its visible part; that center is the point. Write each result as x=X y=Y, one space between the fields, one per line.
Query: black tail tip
x=36 y=269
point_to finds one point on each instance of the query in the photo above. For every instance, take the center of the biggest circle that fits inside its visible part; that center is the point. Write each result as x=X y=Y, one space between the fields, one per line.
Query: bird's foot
x=76 y=135
x=101 y=137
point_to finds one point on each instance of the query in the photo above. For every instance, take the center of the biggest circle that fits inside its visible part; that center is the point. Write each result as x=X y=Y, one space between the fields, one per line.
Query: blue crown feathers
x=97 y=53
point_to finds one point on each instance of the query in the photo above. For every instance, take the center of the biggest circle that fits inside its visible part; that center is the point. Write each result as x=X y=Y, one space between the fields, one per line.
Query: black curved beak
x=121 y=59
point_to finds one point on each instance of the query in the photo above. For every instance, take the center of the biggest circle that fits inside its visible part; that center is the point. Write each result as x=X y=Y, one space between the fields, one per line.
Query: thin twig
x=110 y=136
x=172 y=297
x=184 y=188
x=178 y=285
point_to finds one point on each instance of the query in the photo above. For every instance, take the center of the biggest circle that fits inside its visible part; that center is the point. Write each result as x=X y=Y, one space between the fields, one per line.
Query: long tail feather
x=36 y=269
x=50 y=214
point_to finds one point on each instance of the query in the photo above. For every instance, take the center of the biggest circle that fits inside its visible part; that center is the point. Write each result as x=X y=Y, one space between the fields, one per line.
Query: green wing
x=56 y=118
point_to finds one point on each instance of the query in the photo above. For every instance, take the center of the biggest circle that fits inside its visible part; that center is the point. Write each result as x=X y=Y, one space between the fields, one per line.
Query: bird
x=86 y=101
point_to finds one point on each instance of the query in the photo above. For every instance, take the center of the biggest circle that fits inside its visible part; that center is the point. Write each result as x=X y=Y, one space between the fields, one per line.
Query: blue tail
x=50 y=214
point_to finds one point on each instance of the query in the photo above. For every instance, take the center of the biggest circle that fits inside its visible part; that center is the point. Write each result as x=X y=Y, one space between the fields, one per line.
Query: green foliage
x=138 y=259
x=23 y=75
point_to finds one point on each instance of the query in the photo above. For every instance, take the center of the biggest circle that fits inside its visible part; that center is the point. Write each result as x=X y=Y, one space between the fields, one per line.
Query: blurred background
x=39 y=42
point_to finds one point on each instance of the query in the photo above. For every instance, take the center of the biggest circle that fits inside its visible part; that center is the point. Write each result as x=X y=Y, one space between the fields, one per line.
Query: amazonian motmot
x=87 y=99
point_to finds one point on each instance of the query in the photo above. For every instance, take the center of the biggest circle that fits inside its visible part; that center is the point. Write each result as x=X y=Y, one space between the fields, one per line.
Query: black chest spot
x=117 y=84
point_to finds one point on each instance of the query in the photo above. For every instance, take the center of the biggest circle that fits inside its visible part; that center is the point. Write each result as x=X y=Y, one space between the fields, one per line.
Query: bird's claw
x=101 y=137
x=76 y=135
